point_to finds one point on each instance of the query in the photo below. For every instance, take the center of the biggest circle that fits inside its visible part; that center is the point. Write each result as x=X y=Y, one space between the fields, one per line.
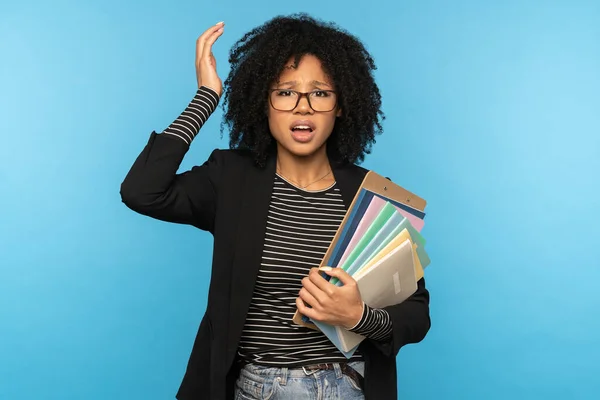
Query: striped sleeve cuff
x=375 y=324
x=188 y=124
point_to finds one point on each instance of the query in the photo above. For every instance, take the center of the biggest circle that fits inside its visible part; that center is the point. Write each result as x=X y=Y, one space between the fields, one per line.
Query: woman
x=303 y=109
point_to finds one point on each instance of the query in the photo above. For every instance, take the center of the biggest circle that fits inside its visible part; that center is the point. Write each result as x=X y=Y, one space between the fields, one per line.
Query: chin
x=303 y=149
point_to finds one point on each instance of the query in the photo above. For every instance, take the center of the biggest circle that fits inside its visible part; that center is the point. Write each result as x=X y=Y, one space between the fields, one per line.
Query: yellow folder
x=397 y=241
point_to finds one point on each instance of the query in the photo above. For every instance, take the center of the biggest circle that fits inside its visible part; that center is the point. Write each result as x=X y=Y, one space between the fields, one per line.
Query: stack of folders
x=380 y=245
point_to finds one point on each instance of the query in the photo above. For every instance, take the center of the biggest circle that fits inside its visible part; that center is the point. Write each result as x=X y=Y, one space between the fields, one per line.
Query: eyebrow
x=314 y=83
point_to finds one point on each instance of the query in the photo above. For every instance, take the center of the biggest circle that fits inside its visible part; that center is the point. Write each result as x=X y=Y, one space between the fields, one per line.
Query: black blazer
x=229 y=196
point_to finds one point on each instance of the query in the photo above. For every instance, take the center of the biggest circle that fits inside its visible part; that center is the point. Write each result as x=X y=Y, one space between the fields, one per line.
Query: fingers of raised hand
x=206 y=40
x=210 y=40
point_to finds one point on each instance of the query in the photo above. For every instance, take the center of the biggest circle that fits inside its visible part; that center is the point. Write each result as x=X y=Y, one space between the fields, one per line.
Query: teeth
x=302 y=127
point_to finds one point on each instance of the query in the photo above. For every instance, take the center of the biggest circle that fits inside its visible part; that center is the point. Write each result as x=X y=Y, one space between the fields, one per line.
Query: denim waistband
x=264 y=372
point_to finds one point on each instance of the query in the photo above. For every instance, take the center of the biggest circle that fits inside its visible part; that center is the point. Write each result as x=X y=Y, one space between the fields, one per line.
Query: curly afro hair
x=258 y=59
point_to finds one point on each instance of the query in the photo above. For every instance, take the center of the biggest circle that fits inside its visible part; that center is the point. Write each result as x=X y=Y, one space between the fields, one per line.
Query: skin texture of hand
x=206 y=65
x=334 y=305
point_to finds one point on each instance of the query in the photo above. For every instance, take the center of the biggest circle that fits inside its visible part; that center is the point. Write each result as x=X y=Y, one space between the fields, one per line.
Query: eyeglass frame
x=300 y=96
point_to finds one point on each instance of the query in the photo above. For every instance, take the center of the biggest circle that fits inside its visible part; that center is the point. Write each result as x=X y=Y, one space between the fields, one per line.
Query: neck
x=305 y=171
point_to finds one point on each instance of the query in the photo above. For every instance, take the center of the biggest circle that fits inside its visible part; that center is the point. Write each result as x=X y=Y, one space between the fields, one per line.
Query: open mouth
x=302 y=129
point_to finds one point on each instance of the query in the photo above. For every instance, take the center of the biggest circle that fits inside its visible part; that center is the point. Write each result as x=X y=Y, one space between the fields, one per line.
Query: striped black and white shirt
x=300 y=227
x=188 y=124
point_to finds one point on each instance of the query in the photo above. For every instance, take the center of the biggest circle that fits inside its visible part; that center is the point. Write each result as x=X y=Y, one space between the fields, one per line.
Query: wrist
x=356 y=316
x=209 y=89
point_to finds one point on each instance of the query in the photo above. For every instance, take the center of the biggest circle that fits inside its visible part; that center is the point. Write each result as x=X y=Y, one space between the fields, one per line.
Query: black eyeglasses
x=287 y=100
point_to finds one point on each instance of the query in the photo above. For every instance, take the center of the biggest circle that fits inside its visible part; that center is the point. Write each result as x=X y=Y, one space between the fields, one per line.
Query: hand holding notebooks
x=374 y=188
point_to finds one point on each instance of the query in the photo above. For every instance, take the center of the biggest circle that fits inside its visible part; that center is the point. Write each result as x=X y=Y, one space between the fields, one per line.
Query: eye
x=321 y=93
x=284 y=93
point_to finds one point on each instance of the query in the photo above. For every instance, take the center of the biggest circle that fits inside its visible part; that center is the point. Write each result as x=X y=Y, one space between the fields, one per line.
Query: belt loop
x=309 y=372
x=338 y=370
x=284 y=376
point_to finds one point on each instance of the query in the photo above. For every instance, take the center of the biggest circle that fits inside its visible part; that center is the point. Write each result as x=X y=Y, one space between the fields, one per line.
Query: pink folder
x=372 y=211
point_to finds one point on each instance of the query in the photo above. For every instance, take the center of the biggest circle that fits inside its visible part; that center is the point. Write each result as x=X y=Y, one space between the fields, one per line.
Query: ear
x=339 y=112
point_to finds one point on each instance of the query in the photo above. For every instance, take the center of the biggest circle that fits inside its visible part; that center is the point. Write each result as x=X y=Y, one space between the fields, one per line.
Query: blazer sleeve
x=152 y=187
x=410 y=321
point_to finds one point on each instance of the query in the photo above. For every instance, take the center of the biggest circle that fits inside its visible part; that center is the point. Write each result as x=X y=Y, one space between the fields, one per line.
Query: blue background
x=493 y=116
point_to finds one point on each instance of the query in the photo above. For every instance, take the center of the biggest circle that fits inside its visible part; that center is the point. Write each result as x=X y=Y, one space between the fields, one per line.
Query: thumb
x=339 y=273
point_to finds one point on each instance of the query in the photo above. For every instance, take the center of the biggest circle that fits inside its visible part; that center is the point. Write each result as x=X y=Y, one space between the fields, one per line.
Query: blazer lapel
x=255 y=198
x=348 y=178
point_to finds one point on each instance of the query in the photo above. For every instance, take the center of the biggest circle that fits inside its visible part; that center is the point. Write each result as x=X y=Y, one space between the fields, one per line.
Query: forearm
x=189 y=122
x=374 y=324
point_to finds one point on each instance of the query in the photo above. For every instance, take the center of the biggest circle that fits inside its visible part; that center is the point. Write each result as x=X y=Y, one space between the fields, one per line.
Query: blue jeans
x=273 y=383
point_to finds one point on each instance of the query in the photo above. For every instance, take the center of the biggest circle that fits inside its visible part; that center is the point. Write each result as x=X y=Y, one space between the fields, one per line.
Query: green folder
x=384 y=215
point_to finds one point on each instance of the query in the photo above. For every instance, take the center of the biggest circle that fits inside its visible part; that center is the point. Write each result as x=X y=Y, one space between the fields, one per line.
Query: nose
x=303 y=106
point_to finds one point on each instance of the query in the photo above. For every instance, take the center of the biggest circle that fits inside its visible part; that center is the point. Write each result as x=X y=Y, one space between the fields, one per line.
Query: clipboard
x=377 y=185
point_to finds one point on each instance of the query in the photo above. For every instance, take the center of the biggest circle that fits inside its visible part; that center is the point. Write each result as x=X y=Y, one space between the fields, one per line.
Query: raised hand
x=206 y=65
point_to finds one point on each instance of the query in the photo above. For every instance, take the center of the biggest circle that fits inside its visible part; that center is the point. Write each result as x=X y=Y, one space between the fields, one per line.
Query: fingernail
x=220 y=23
x=325 y=269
